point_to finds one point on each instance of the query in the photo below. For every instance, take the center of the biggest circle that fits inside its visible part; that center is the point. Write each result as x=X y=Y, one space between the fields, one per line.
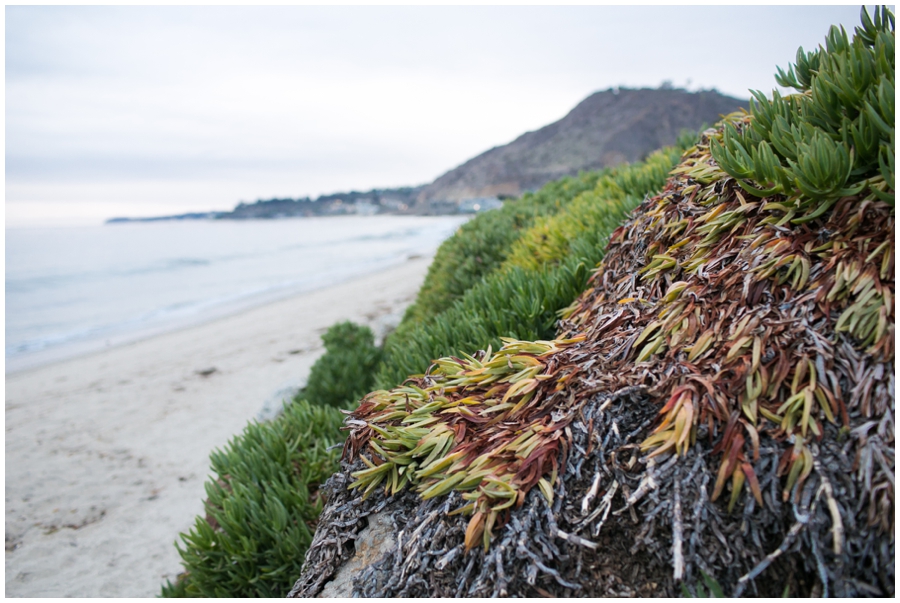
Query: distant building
x=365 y=207
x=336 y=207
x=479 y=204
x=391 y=203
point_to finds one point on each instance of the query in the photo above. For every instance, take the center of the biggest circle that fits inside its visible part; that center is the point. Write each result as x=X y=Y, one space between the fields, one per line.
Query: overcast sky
x=156 y=110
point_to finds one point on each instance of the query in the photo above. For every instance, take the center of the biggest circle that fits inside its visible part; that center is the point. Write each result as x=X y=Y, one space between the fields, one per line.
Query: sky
x=141 y=111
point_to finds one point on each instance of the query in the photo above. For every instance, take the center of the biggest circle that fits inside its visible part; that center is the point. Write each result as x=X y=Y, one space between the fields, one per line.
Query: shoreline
x=107 y=452
x=97 y=345
x=78 y=307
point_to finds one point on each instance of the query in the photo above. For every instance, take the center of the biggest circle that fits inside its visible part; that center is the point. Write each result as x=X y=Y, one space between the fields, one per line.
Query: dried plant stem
x=576 y=539
x=677 y=533
x=586 y=501
x=837 y=526
x=604 y=508
x=762 y=565
x=648 y=484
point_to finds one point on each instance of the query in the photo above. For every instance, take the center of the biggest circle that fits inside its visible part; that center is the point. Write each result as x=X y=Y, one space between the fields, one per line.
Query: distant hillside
x=607 y=128
x=375 y=201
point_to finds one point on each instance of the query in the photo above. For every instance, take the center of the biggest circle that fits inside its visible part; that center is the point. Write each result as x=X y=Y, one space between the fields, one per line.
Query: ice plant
x=471 y=424
x=776 y=224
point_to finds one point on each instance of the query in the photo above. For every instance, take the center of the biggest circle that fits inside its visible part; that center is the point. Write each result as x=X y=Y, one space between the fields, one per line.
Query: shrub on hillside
x=729 y=342
x=551 y=237
x=482 y=244
x=346 y=371
x=262 y=506
x=834 y=139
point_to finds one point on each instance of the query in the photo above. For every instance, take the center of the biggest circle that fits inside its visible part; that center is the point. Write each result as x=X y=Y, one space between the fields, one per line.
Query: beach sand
x=106 y=454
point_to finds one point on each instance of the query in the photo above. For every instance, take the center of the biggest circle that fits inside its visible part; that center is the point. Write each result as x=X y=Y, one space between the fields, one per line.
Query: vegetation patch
x=551 y=239
x=346 y=371
x=481 y=245
x=470 y=425
x=261 y=510
x=736 y=343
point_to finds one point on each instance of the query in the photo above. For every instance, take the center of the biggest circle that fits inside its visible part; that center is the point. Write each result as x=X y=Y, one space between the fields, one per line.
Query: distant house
x=392 y=203
x=336 y=207
x=365 y=207
x=479 y=204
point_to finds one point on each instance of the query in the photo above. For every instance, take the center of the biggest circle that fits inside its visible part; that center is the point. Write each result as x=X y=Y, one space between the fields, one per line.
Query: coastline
x=65 y=305
x=91 y=346
x=107 y=453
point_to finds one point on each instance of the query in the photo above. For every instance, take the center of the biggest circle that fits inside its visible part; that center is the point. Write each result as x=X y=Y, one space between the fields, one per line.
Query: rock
x=371 y=543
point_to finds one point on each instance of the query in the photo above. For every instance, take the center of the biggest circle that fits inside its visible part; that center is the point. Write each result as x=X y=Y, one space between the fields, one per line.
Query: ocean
x=75 y=290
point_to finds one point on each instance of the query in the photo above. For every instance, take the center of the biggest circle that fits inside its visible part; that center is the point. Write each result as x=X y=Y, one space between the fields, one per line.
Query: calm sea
x=75 y=290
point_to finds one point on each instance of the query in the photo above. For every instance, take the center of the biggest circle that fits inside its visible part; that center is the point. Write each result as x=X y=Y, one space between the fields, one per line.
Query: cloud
x=319 y=99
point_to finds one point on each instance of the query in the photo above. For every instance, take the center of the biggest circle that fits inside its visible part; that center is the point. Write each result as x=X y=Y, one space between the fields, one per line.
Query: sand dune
x=106 y=454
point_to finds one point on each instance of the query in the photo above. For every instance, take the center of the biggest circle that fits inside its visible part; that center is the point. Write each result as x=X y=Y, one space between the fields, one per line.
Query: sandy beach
x=106 y=454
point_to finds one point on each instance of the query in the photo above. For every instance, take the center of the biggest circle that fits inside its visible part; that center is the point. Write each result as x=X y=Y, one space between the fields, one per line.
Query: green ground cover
x=482 y=244
x=346 y=371
x=262 y=507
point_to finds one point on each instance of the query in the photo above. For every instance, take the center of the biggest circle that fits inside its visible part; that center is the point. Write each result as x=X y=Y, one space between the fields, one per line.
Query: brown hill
x=607 y=128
